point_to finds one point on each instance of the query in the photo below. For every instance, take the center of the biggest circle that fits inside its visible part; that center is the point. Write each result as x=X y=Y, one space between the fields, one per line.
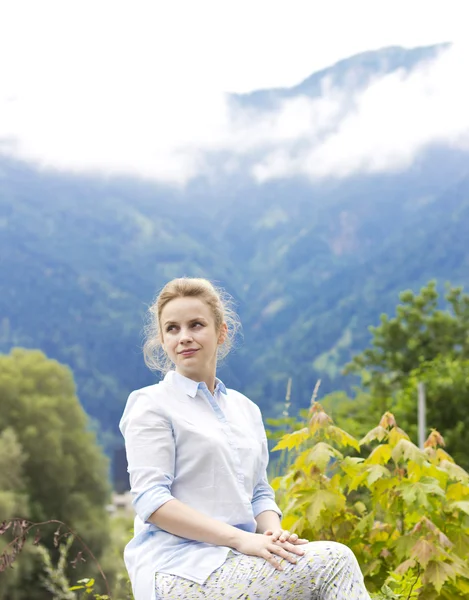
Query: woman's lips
x=188 y=352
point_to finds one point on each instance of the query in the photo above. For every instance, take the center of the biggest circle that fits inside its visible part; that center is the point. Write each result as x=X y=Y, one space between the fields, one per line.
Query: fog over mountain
x=313 y=206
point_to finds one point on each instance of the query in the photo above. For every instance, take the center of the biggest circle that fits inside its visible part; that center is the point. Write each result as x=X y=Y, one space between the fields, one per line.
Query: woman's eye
x=197 y=324
x=169 y=328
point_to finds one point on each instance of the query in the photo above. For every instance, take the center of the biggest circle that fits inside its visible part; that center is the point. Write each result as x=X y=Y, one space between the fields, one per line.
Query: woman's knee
x=330 y=551
x=344 y=552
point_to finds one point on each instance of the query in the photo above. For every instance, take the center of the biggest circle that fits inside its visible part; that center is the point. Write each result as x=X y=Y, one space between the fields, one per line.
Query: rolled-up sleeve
x=150 y=449
x=263 y=497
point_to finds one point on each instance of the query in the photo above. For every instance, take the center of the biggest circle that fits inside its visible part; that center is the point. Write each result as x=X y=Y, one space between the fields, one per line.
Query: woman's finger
x=269 y=557
x=282 y=552
x=285 y=535
x=291 y=548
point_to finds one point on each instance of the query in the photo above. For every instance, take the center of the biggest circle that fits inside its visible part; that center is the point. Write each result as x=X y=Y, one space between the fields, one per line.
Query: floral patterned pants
x=326 y=571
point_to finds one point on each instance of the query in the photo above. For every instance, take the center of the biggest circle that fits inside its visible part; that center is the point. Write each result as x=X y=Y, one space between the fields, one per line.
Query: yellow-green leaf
x=436 y=573
x=417 y=492
x=292 y=440
x=395 y=435
x=342 y=438
x=378 y=433
x=324 y=500
x=462 y=505
x=381 y=455
x=406 y=450
x=454 y=471
x=376 y=472
x=321 y=454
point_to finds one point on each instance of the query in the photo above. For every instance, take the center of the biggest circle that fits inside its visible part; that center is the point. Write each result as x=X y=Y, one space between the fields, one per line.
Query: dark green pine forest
x=310 y=265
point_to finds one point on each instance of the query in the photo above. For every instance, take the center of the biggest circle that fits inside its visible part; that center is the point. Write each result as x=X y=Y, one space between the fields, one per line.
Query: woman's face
x=190 y=338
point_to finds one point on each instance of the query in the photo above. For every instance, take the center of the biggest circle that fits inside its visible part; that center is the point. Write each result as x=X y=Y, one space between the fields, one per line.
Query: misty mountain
x=311 y=264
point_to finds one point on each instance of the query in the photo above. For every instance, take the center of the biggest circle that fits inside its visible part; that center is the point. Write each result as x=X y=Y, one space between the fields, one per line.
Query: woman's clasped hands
x=272 y=545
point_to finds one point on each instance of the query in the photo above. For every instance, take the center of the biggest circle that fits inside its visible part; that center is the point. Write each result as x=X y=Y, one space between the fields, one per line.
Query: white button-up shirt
x=209 y=452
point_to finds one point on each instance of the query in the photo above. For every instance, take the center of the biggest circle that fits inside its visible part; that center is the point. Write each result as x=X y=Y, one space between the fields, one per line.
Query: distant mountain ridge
x=311 y=265
x=355 y=72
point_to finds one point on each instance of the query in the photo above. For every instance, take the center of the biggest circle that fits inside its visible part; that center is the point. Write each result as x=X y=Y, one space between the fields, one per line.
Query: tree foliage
x=59 y=471
x=419 y=333
x=422 y=343
x=402 y=510
x=446 y=382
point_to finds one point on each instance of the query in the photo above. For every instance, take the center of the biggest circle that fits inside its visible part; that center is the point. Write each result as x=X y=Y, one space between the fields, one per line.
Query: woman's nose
x=185 y=336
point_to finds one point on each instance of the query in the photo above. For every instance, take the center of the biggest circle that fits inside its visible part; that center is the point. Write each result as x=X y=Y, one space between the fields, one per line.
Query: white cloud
x=139 y=88
x=388 y=125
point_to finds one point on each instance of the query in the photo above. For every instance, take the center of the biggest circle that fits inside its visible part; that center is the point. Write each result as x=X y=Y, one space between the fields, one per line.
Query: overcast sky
x=139 y=87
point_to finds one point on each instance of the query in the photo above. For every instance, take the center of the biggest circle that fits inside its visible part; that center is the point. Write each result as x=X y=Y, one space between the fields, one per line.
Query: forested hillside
x=310 y=265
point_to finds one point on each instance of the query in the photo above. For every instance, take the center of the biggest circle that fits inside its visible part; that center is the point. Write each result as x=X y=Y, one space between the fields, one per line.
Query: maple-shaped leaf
x=351 y=465
x=424 y=551
x=457 y=491
x=357 y=480
x=403 y=545
x=292 y=440
x=455 y=471
x=395 y=435
x=437 y=573
x=425 y=524
x=405 y=566
x=378 y=433
x=416 y=472
x=417 y=492
x=376 y=472
x=441 y=454
x=342 y=438
x=321 y=454
x=324 y=500
x=460 y=540
x=381 y=455
x=406 y=450
x=462 y=505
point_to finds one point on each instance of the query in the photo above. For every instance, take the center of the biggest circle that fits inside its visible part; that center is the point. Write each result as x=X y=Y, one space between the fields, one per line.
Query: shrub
x=403 y=511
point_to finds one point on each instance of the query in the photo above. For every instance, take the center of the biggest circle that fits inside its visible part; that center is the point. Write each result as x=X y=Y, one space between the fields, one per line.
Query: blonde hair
x=219 y=301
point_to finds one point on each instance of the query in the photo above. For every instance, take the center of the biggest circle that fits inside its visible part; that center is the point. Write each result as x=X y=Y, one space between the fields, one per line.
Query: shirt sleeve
x=263 y=497
x=150 y=449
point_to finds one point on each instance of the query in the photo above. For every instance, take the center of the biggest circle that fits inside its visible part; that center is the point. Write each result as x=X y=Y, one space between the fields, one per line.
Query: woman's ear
x=223 y=333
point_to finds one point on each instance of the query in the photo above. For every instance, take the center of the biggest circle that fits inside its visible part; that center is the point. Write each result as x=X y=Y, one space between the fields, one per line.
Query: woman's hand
x=283 y=535
x=255 y=544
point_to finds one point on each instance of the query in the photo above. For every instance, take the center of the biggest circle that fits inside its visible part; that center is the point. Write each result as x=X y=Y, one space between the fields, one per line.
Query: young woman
x=207 y=525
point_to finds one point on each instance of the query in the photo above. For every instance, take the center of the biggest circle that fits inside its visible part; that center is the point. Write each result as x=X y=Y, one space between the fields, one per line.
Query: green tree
x=422 y=343
x=447 y=394
x=418 y=333
x=65 y=472
x=13 y=501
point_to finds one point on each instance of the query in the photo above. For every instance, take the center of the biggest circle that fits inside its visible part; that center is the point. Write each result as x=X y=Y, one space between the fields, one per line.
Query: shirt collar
x=190 y=386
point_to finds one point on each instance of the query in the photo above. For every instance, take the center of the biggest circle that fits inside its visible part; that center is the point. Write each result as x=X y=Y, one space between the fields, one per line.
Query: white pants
x=326 y=571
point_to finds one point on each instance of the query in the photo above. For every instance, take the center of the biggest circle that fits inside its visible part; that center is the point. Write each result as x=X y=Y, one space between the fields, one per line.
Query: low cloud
x=101 y=122
x=382 y=128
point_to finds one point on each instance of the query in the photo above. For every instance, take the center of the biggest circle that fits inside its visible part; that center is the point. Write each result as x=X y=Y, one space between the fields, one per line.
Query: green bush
x=402 y=510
